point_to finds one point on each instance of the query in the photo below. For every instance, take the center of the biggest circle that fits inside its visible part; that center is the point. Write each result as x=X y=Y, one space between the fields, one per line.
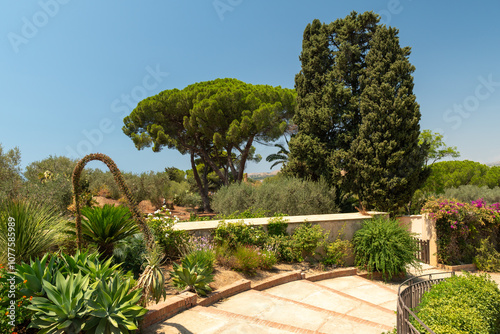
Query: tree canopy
x=437 y=148
x=357 y=116
x=217 y=121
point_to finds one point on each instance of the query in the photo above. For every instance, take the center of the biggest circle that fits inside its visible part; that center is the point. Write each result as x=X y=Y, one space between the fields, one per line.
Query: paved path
x=340 y=305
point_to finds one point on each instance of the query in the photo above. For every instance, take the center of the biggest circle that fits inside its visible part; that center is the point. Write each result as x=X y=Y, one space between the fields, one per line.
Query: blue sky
x=70 y=70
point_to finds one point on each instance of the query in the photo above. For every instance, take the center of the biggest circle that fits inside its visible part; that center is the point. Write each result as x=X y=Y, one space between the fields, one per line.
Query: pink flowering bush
x=460 y=227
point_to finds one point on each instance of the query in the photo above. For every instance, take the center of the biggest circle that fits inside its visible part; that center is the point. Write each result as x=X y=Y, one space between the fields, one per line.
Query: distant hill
x=491 y=164
x=261 y=176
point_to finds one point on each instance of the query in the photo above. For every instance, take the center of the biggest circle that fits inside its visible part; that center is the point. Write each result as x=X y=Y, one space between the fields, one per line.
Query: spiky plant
x=148 y=236
x=152 y=280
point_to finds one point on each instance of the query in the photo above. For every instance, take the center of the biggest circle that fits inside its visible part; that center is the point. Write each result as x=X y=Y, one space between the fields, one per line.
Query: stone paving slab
x=364 y=289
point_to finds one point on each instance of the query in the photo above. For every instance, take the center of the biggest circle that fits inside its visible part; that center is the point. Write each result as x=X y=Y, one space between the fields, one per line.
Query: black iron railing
x=410 y=297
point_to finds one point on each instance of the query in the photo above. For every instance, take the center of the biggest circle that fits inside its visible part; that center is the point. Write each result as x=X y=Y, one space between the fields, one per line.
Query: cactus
x=148 y=236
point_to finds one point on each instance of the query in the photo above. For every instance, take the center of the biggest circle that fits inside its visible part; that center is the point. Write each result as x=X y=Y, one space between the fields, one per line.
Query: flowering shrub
x=461 y=226
x=13 y=311
x=161 y=223
x=200 y=250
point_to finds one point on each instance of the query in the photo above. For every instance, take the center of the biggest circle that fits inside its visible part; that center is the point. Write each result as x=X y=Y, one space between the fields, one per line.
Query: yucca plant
x=115 y=309
x=192 y=276
x=30 y=228
x=106 y=226
x=65 y=308
x=384 y=246
x=152 y=280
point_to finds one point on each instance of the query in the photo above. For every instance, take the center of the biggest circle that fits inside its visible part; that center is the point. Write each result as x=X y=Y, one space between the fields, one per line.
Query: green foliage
x=437 y=148
x=175 y=174
x=114 y=309
x=461 y=226
x=453 y=174
x=107 y=226
x=337 y=251
x=245 y=258
x=200 y=250
x=152 y=280
x=21 y=301
x=356 y=113
x=279 y=158
x=285 y=248
x=487 y=257
x=192 y=276
x=384 y=246
x=460 y=305
x=130 y=252
x=65 y=308
x=469 y=193
x=239 y=233
x=290 y=196
x=308 y=238
x=10 y=173
x=30 y=228
x=162 y=224
x=277 y=226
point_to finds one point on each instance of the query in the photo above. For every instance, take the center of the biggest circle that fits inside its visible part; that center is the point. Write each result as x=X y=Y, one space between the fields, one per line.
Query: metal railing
x=423 y=253
x=410 y=297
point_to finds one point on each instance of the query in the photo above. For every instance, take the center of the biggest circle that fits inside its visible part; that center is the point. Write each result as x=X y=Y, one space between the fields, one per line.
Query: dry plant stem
x=123 y=187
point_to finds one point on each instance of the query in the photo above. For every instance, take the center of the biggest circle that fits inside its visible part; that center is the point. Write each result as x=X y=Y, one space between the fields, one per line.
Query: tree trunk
x=203 y=191
x=244 y=156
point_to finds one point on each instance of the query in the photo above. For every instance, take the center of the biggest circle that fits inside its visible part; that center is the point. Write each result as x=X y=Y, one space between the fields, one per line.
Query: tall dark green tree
x=357 y=119
x=216 y=121
x=384 y=165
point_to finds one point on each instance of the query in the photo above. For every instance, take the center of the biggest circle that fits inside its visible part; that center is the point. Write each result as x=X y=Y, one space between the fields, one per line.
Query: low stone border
x=225 y=292
x=331 y=274
x=168 y=308
x=277 y=280
x=466 y=267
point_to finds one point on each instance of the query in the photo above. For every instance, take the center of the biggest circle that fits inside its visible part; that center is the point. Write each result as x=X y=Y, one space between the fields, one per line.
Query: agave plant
x=65 y=308
x=106 y=226
x=35 y=273
x=192 y=276
x=152 y=280
x=32 y=228
x=115 y=309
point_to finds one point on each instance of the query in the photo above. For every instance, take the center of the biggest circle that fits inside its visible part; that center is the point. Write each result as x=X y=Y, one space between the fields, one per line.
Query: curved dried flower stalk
x=148 y=236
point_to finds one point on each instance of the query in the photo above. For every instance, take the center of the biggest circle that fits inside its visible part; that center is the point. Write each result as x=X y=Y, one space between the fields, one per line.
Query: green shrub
x=245 y=258
x=469 y=193
x=308 y=238
x=30 y=228
x=460 y=305
x=239 y=233
x=192 y=276
x=290 y=196
x=22 y=313
x=277 y=226
x=487 y=257
x=384 y=246
x=337 y=251
x=106 y=226
x=200 y=250
x=172 y=241
x=285 y=248
x=130 y=252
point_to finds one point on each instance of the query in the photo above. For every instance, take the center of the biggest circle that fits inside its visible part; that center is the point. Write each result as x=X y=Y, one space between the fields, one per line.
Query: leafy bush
x=246 y=258
x=106 y=226
x=172 y=241
x=469 y=193
x=285 y=248
x=180 y=193
x=29 y=227
x=9 y=319
x=10 y=173
x=307 y=238
x=461 y=226
x=130 y=252
x=291 y=196
x=337 y=251
x=460 y=305
x=239 y=233
x=192 y=276
x=200 y=250
x=277 y=226
x=487 y=257
x=384 y=246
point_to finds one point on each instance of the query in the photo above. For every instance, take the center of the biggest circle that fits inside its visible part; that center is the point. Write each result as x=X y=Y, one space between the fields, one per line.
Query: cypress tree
x=357 y=117
x=384 y=163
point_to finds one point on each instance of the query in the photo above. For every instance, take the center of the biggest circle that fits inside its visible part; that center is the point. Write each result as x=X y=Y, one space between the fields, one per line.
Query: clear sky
x=70 y=70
